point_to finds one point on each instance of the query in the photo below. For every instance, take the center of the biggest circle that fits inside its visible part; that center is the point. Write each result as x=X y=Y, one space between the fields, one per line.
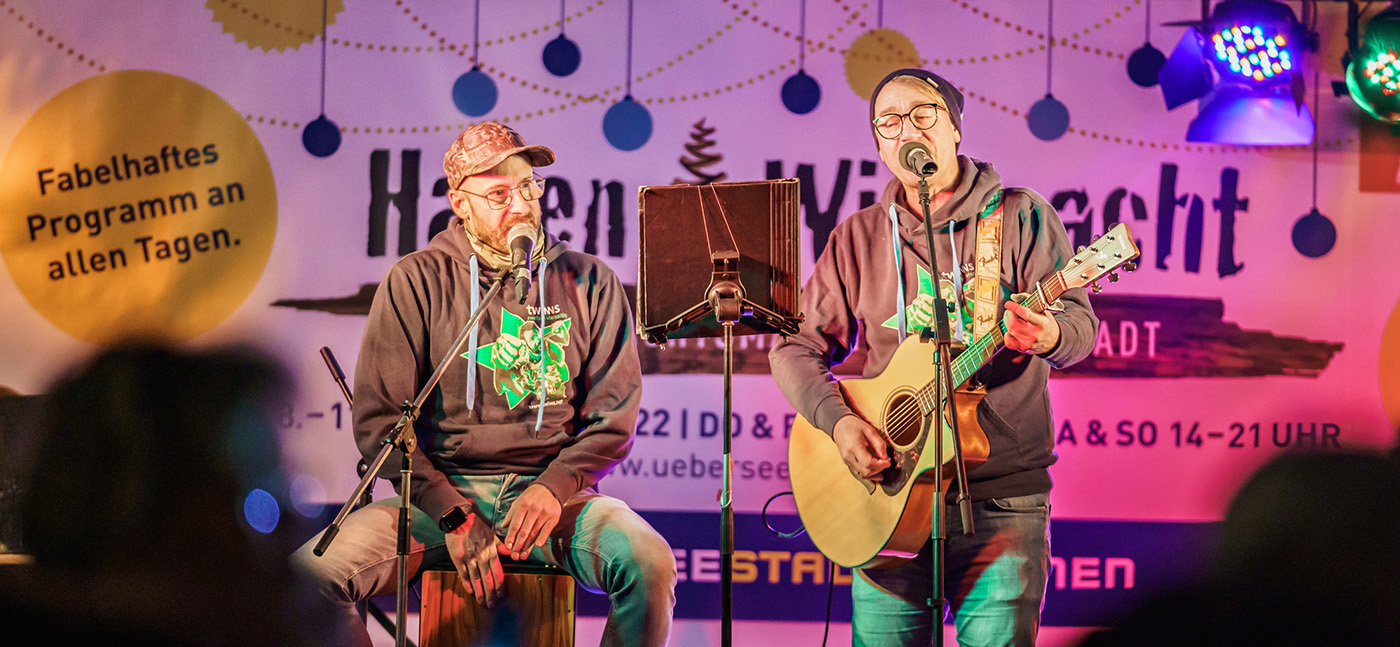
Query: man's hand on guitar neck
x=1028 y=331
x=864 y=448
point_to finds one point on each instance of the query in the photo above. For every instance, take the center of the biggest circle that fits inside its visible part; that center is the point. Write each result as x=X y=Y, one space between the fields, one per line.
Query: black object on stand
x=402 y=438
x=367 y=495
x=943 y=376
x=690 y=237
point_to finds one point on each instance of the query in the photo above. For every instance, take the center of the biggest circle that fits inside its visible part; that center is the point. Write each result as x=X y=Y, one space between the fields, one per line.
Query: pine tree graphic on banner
x=699 y=160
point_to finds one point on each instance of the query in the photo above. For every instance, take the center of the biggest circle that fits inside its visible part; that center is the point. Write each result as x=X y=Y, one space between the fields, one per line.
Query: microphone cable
x=830 y=565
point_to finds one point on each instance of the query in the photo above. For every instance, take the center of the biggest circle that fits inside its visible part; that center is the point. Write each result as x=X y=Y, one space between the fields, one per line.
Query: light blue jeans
x=994 y=581
x=599 y=540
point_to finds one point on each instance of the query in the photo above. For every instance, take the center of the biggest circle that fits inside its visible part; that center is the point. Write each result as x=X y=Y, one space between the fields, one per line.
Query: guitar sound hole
x=903 y=419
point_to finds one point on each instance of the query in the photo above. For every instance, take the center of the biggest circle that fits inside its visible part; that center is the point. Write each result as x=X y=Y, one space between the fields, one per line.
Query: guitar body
x=858 y=523
x=861 y=524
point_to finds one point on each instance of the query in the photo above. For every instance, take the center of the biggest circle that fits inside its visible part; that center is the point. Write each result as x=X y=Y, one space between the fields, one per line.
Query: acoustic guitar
x=859 y=523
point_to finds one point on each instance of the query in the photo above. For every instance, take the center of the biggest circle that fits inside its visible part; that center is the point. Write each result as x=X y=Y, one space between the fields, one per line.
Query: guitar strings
x=905 y=413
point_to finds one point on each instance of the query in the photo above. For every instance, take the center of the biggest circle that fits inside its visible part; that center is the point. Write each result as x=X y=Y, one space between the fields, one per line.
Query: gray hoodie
x=489 y=422
x=851 y=299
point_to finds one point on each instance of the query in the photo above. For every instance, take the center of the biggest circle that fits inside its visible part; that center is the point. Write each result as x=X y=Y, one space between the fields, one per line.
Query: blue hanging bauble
x=801 y=94
x=1049 y=119
x=1145 y=64
x=321 y=137
x=627 y=124
x=1314 y=235
x=561 y=56
x=474 y=93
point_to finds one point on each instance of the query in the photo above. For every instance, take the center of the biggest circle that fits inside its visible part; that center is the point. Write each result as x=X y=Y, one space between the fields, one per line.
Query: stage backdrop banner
x=246 y=172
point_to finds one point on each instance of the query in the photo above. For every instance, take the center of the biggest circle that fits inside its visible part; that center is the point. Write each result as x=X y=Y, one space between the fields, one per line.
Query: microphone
x=522 y=247
x=915 y=158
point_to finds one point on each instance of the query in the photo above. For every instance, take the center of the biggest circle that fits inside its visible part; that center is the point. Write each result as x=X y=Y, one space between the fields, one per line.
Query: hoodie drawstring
x=472 y=367
x=544 y=361
x=902 y=316
x=957 y=287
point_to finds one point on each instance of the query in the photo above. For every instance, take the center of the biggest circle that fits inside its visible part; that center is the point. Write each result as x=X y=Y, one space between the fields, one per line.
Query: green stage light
x=1373 y=74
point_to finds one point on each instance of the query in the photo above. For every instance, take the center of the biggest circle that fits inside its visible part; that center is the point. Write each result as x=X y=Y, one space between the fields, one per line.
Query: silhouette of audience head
x=1316 y=522
x=142 y=508
x=1305 y=556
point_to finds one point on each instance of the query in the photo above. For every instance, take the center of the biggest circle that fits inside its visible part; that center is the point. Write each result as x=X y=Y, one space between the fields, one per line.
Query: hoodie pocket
x=488 y=442
x=1004 y=448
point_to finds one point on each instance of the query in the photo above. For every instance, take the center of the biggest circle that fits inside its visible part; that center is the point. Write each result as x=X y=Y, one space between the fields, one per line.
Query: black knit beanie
x=952 y=98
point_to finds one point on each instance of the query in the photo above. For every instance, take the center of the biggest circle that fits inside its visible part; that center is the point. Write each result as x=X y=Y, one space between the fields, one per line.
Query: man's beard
x=495 y=238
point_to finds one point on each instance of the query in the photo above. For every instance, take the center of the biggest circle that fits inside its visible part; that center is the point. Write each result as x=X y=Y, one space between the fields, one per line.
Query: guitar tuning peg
x=1112 y=277
x=1079 y=249
x=1095 y=288
x=1129 y=266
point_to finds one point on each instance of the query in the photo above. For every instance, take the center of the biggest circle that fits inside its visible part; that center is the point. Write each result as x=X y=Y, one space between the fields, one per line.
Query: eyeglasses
x=499 y=197
x=922 y=117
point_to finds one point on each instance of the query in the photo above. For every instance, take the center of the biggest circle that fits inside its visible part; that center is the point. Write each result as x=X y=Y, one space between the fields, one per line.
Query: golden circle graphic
x=1390 y=368
x=274 y=24
x=875 y=54
x=137 y=204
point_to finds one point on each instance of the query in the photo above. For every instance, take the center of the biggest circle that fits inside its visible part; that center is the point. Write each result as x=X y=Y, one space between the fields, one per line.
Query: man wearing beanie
x=521 y=427
x=873 y=286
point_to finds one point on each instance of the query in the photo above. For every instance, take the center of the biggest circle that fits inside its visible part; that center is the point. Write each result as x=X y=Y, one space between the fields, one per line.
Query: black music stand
x=719 y=260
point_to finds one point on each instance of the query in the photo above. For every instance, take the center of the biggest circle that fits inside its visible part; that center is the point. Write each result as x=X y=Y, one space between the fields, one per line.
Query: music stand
x=719 y=260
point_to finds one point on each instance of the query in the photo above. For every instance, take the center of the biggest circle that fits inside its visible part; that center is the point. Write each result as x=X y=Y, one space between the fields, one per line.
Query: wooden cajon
x=537 y=608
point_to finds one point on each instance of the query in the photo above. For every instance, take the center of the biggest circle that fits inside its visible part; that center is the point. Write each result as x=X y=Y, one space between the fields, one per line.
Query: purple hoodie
x=592 y=378
x=851 y=299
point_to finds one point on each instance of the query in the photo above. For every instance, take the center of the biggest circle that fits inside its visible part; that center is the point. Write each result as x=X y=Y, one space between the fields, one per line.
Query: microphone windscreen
x=521 y=230
x=916 y=158
x=904 y=152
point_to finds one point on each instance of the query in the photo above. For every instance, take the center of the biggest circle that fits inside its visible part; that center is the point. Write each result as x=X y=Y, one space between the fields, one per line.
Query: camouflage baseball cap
x=483 y=146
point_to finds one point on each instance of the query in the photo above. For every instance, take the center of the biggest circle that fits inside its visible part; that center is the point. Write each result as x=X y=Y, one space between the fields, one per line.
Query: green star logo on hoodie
x=920 y=311
x=517 y=362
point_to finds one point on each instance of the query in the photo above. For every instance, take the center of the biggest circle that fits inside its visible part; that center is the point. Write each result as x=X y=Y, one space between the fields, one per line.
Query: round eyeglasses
x=922 y=117
x=499 y=197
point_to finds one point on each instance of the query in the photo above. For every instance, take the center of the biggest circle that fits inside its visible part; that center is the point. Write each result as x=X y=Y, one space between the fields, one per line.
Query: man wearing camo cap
x=539 y=408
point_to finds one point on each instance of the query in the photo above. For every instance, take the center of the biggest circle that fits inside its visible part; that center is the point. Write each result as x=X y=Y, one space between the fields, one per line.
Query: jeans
x=606 y=546
x=994 y=581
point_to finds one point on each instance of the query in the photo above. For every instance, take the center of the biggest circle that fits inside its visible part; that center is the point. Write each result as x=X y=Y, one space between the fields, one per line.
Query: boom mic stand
x=943 y=376
x=368 y=495
x=403 y=439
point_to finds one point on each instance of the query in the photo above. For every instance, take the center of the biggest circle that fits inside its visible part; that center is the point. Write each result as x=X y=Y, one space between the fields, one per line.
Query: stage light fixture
x=1373 y=73
x=1243 y=63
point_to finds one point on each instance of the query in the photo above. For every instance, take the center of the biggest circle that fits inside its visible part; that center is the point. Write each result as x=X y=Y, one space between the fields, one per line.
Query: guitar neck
x=977 y=355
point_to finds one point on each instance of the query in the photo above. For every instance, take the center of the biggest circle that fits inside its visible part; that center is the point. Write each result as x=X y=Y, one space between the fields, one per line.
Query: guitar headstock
x=1104 y=256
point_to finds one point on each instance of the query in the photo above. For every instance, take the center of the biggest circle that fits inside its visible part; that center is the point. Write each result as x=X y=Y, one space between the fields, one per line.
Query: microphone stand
x=943 y=375
x=403 y=439
x=360 y=469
